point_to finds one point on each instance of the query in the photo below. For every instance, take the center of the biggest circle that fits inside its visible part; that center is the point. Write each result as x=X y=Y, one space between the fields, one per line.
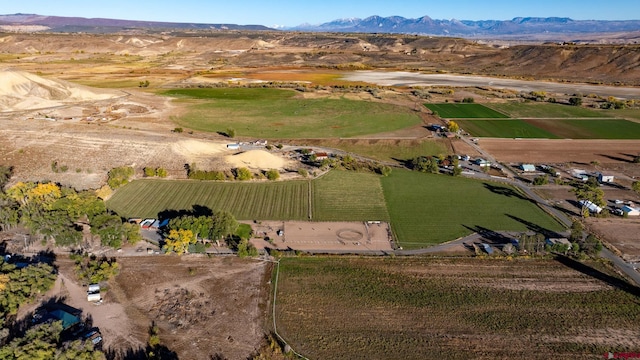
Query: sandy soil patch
x=257 y=159
x=20 y=90
x=195 y=149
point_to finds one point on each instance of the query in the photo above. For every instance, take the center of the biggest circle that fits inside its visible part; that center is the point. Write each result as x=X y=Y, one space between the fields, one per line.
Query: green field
x=348 y=196
x=504 y=129
x=276 y=113
x=285 y=200
x=433 y=308
x=388 y=150
x=465 y=111
x=546 y=111
x=429 y=209
x=614 y=129
x=553 y=128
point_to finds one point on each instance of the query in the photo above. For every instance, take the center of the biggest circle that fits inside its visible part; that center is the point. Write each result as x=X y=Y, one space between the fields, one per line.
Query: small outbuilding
x=233 y=146
x=630 y=211
x=593 y=208
x=528 y=167
x=602 y=178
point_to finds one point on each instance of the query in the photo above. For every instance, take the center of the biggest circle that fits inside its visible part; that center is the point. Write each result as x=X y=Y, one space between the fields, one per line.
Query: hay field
x=276 y=113
x=424 y=308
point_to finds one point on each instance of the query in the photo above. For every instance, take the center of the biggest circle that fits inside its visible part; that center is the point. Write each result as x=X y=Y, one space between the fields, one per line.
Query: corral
x=324 y=237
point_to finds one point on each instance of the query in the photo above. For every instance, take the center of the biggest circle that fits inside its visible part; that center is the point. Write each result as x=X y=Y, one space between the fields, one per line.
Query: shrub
x=149 y=172
x=272 y=174
x=119 y=176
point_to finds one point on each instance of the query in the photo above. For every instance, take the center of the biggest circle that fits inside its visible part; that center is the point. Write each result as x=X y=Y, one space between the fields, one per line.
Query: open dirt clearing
x=204 y=307
x=324 y=236
x=622 y=234
x=561 y=151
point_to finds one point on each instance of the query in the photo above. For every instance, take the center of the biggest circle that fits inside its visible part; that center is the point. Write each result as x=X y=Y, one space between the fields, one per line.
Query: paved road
x=621 y=265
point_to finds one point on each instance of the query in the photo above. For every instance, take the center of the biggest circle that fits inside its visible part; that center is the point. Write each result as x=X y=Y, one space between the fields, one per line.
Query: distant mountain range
x=467 y=28
x=100 y=25
x=521 y=27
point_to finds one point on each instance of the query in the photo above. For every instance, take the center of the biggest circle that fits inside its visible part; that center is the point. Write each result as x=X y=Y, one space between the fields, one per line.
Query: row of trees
x=240 y=174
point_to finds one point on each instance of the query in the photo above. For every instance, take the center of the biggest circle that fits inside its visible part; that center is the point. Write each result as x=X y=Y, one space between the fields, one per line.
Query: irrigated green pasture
x=348 y=196
x=429 y=209
x=546 y=111
x=388 y=149
x=248 y=201
x=276 y=113
x=553 y=128
x=464 y=111
x=465 y=308
x=504 y=128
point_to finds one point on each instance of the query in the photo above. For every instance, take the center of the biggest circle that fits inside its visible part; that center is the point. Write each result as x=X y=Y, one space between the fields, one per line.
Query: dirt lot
x=621 y=233
x=203 y=306
x=561 y=151
x=332 y=237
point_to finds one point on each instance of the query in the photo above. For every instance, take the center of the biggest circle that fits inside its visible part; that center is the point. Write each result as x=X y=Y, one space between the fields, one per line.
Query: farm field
x=554 y=128
x=506 y=128
x=423 y=209
x=286 y=200
x=388 y=149
x=276 y=113
x=465 y=111
x=612 y=129
x=428 y=209
x=348 y=196
x=424 y=308
x=547 y=110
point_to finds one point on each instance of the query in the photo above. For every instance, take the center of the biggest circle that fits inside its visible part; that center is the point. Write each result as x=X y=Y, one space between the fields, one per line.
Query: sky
x=296 y=12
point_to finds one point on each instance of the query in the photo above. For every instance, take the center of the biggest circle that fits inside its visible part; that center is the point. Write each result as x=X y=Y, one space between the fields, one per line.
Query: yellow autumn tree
x=178 y=241
x=453 y=126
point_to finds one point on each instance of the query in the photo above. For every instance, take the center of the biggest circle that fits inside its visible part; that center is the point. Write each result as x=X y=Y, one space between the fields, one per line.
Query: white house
x=591 y=206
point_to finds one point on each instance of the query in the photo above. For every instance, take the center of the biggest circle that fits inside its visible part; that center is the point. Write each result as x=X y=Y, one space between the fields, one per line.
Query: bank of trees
x=53 y=212
x=186 y=229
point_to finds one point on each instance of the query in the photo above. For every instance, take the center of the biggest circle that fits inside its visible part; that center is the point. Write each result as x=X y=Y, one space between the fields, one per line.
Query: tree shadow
x=508 y=192
x=196 y=210
x=536 y=228
x=597 y=274
x=492 y=237
x=404 y=162
x=616 y=158
x=566 y=211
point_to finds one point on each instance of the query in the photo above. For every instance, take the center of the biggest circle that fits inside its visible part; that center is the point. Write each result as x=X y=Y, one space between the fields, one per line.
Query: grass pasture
x=276 y=113
x=265 y=201
x=387 y=149
x=465 y=308
x=465 y=111
x=348 y=196
x=429 y=209
x=546 y=110
x=504 y=128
